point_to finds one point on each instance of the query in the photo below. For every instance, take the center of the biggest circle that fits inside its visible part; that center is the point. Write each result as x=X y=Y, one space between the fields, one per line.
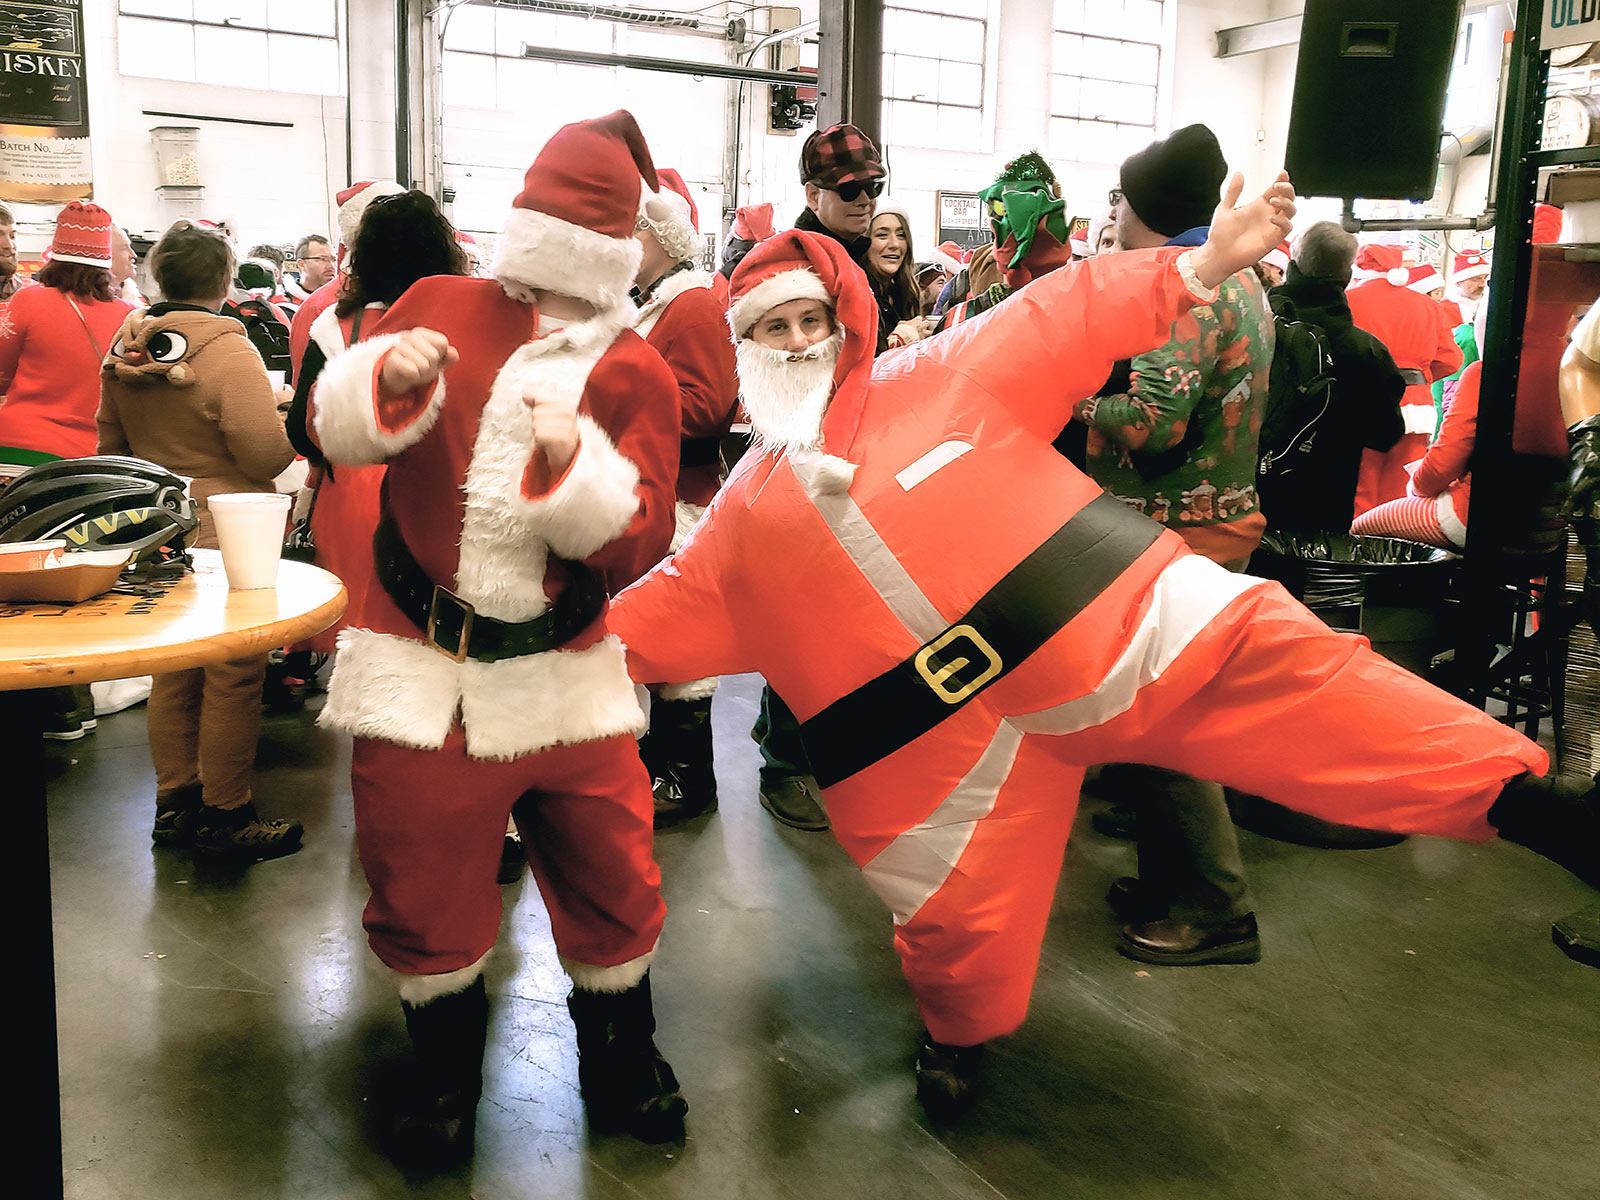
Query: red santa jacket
x=477 y=510
x=1417 y=332
x=306 y=316
x=684 y=323
x=1444 y=470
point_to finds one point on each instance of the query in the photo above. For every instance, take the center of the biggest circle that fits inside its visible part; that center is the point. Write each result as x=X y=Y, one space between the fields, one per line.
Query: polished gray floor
x=1412 y=1033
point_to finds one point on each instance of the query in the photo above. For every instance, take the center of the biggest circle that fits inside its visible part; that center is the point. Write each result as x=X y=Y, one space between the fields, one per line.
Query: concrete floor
x=1412 y=1033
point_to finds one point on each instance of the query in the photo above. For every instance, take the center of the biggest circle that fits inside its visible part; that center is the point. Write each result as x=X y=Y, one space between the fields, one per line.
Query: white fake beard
x=786 y=395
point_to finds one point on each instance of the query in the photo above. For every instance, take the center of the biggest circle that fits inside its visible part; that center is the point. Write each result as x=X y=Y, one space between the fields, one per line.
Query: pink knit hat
x=83 y=235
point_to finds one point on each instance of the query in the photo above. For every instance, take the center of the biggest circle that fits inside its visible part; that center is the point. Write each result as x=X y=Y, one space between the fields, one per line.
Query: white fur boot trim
x=417 y=990
x=608 y=979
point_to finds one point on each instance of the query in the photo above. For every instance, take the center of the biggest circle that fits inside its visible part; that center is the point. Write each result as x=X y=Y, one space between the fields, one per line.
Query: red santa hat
x=465 y=238
x=83 y=235
x=951 y=256
x=795 y=265
x=1078 y=239
x=1470 y=264
x=753 y=223
x=1424 y=279
x=571 y=229
x=1375 y=259
x=353 y=201
x=1452 y=312
x=1278 y=257
x=670 y=213
x=1546 y=224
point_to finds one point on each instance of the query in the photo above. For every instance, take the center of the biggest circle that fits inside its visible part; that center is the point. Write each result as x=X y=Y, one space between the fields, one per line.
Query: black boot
x=627 y=1085
x=677 y=752
x=1557 y=816
x=947 y=1077
x=448 y=1035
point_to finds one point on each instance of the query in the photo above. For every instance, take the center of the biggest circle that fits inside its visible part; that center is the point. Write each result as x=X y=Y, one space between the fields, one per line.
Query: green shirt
x=1191 y=416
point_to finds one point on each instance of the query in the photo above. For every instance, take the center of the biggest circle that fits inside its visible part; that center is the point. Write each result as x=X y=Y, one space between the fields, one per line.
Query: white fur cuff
x=1202 y=293
x=697 y=689
x=417 y=990
x=346 y=407
x=608 y=979
x=592 y=504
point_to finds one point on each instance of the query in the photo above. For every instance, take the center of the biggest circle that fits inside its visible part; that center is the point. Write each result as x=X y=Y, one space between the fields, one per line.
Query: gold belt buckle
x=445 y=610
x=939 y=670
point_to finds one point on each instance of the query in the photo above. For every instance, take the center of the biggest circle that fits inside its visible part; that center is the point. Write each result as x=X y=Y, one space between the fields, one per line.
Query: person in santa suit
x=531 y=439
x=352 y=202
x=962 y=620
x=682 y=320
x=1420 y=338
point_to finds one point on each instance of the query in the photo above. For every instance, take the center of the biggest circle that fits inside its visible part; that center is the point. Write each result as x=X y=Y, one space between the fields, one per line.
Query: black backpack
x=266 y=332
x=1299 y=396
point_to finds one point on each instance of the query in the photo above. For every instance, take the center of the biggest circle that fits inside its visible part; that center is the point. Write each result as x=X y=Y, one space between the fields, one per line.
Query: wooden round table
x=191 y=622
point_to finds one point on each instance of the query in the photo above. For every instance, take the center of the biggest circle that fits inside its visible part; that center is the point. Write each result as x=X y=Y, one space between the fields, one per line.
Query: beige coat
x=185 y=389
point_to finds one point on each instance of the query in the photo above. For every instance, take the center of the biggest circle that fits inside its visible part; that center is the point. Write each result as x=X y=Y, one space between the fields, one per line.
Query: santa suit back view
x=962 y=621
x=1421 y=339
x=530 y=461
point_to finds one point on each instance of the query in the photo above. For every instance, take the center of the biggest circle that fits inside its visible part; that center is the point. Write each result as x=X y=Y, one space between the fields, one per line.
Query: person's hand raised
x=1241 y=236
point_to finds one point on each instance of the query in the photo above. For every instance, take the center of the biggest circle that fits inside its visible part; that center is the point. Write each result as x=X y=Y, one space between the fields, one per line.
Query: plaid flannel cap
x=839 y=154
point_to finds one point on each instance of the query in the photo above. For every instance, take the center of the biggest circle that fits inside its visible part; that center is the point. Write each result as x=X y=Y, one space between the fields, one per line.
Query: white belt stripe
x=914 y=866
x=1186 y=597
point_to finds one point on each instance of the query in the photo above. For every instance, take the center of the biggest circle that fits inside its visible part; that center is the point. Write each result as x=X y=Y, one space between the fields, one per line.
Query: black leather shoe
x=677 y=799
x=1115 y=822
x=1173 y=943
x=947 y=1078
x=796 y=802
x=1133 y=902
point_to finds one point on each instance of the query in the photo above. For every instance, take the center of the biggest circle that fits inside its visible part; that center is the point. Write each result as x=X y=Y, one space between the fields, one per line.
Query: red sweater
x=50 y=369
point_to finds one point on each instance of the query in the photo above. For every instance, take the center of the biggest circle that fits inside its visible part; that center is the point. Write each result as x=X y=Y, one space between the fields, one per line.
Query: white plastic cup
x=250 y=531
x=278 y=378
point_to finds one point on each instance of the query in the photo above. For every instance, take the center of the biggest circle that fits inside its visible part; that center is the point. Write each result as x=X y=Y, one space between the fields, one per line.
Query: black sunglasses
x=1114 y=197
x=855 y=189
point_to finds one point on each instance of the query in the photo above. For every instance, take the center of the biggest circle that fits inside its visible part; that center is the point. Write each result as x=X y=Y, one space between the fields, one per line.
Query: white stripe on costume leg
x=1186 y=597
x=910 y=869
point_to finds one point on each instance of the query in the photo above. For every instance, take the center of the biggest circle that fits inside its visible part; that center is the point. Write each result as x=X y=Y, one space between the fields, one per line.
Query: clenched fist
x=417 y=359
x=555 y=430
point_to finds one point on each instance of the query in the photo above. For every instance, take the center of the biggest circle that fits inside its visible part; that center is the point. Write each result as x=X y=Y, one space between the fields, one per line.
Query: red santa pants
x=429 y=829
x=1265 y=697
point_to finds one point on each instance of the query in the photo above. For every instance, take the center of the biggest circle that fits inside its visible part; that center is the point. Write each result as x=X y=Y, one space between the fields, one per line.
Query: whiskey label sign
x=44 y=110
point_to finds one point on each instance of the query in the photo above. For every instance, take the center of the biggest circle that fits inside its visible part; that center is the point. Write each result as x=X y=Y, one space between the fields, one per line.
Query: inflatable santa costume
x=963 y=621
x=682 y=319
x=530 y=461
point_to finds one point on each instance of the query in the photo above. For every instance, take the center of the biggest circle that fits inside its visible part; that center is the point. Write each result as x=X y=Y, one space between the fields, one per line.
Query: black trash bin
x=1393 y=592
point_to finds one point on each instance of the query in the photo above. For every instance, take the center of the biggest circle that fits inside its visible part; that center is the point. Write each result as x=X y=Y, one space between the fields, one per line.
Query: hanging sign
x=44 y=110
x=1567 y=22
x=961 y=220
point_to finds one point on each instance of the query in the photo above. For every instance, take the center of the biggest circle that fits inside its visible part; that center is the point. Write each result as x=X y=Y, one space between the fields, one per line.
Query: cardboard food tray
x=59 y=585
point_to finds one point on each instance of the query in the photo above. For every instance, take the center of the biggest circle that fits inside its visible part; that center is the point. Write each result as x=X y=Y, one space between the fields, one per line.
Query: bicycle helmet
x=104 y=502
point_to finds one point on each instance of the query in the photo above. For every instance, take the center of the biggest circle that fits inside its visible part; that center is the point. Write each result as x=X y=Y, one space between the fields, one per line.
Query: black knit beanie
x=1174 y=185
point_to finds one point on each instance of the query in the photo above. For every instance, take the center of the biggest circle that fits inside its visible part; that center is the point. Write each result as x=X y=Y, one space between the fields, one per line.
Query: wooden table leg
x=38 y=1112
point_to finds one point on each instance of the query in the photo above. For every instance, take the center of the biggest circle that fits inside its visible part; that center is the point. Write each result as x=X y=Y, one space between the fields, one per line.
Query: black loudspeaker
x=1369 y=97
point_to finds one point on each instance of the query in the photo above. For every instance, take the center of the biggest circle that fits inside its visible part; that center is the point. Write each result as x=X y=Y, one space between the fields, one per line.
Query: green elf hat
x=1025 y=198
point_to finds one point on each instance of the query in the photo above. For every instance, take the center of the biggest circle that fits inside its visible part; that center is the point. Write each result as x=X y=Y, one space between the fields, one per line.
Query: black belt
x=1412 y=376
x=452 y=626
x=700 y=452
x=1028 y=607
